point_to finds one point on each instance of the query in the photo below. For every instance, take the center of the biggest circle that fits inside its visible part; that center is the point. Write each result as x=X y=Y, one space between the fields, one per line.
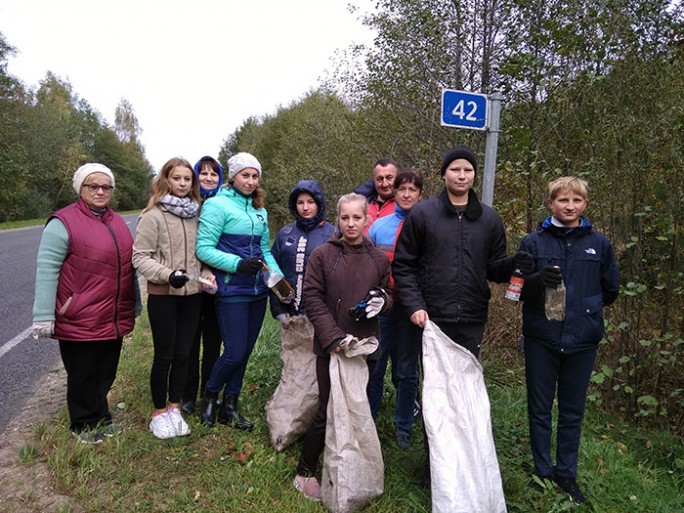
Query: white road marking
x=15 y=341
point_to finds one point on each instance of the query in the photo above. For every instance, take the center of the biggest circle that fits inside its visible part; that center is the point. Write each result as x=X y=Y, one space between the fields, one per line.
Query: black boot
x=228 y=414
x=208 y=409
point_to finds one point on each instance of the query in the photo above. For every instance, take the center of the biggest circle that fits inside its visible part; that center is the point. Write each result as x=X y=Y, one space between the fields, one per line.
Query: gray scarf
x=182 y=207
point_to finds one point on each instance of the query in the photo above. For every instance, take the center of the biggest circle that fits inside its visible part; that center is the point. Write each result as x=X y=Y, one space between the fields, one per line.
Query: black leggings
x=173 y=320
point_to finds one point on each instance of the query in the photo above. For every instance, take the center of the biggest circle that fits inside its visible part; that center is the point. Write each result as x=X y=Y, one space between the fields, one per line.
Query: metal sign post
x=476 y=111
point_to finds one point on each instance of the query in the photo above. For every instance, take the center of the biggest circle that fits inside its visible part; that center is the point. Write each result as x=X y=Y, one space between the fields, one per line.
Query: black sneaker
x=540 y=483
x=188 y=407
x=403 y=440
x=569 y=486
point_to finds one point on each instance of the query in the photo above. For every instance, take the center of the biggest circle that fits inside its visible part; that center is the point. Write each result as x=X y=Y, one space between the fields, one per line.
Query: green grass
x=621 y=469
x=11 y=225
x=25 y=223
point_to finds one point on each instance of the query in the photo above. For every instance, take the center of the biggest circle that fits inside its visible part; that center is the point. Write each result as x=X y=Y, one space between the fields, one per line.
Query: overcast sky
x=193 y=70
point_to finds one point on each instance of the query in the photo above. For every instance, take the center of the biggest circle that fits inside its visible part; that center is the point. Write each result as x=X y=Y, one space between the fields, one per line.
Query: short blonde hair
x=568 y=183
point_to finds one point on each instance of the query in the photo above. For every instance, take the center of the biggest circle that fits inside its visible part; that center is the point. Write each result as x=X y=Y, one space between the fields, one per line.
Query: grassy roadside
x=11 y=225
x=221 y=469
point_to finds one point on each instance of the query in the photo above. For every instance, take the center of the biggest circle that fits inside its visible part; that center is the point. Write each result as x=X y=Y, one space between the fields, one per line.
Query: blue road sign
x=462 y=109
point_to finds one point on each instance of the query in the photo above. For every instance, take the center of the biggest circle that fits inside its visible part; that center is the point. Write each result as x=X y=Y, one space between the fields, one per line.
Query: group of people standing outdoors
x=203 y=247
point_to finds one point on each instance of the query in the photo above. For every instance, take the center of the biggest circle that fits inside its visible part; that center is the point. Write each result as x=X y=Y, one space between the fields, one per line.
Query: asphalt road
x=23 y=361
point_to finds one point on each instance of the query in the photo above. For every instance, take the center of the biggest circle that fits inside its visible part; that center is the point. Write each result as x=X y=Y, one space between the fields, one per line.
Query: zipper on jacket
x=185 y=251
x=251 y=245
x=118 y=280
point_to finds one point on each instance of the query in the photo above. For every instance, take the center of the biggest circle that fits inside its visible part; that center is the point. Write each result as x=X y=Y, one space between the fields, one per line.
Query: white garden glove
x=374 y=306
x=43 y=329
x=284 y=319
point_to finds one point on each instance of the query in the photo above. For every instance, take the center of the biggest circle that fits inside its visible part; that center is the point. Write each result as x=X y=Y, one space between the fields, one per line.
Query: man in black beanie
x=448 y=248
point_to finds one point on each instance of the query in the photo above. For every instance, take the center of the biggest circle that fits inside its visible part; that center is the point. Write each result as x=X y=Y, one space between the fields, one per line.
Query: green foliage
x=47 y=133
x=313 y=138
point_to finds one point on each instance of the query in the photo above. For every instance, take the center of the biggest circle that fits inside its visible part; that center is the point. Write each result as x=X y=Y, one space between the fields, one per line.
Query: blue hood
x=204 y=192
x=316 y=191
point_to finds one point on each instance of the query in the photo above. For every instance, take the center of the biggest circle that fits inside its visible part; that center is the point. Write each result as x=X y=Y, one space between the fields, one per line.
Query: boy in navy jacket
x=560 y=355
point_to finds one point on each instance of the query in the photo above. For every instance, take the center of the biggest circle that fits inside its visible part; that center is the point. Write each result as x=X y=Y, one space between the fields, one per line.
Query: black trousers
x=91 y=370
x=173 y=320
x=208 y=337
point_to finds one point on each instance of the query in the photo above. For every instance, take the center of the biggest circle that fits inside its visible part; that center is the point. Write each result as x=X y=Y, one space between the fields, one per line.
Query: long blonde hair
x=161 y=186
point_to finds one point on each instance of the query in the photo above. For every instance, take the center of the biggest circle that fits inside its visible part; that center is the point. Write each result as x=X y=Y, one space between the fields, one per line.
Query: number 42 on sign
x=462 y=109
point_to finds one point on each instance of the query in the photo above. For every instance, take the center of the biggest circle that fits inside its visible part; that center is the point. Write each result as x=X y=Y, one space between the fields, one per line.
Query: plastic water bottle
x=554 y=303
x=515 y=286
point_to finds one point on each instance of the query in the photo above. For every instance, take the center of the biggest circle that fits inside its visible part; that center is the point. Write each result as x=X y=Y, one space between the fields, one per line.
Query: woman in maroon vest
x=86 y=298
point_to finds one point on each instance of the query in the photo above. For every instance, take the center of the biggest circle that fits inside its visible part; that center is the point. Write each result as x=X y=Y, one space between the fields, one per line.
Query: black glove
x=178 y=278
x=524 y=261
x=550 y=276
x=250 y=266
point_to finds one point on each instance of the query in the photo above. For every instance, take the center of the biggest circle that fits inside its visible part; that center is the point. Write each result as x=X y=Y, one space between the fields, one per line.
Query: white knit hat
x=88 y=169
x=241 y=161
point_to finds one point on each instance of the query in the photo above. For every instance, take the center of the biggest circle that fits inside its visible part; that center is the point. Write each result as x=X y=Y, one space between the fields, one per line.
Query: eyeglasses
x=94 y=188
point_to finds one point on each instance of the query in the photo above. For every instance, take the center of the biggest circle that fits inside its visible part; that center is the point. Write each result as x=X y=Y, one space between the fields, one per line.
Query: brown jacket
x=338 y=276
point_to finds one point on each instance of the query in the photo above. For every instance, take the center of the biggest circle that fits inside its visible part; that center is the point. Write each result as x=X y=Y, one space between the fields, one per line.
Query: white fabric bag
x=353 y=469
x=293 y=405
x=463 y=464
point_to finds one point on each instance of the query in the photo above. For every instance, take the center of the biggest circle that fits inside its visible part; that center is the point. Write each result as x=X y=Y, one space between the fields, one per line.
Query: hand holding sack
x=284 y=319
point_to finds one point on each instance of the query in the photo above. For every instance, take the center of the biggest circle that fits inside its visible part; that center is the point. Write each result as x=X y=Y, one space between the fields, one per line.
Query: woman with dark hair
x=400 y=339
x=164 y=253
x=85 y=297
x=234 y=240
x=210 y=175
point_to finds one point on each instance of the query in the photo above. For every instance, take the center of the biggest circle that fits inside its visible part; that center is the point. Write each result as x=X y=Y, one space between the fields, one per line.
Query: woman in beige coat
x=164 y=253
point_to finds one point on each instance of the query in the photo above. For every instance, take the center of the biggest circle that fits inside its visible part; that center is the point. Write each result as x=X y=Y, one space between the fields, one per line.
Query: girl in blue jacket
x=560 y=354
x=296 y=241
x=233 y=239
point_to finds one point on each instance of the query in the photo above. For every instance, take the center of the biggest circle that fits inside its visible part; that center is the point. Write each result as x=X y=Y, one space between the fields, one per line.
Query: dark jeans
x=209 y=337
x=400 y=340
x=545 y=370
x=91 y=370
x=239 y=324
x=314 y=439
x=173 y=320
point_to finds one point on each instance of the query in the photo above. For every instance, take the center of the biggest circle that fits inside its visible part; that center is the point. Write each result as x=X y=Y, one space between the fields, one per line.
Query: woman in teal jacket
x=233 y=239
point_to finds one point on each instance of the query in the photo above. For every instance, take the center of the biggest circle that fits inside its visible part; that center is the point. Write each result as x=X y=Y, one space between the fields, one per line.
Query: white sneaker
x=162 y=426
x=179 y=424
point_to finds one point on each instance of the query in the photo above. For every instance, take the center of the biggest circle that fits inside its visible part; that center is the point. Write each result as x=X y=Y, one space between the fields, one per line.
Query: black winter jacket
x=443 y=259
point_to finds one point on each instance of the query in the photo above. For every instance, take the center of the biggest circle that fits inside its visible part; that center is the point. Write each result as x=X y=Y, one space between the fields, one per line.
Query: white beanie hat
x=241 y=161
x=88 y=169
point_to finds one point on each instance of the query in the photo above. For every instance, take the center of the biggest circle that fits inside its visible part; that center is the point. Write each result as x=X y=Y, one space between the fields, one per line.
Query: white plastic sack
x=292 y=407
x=463 y=464
x=353 y=470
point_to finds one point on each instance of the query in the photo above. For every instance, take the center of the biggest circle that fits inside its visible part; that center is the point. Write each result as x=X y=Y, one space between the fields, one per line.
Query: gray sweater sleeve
x=53 y=250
